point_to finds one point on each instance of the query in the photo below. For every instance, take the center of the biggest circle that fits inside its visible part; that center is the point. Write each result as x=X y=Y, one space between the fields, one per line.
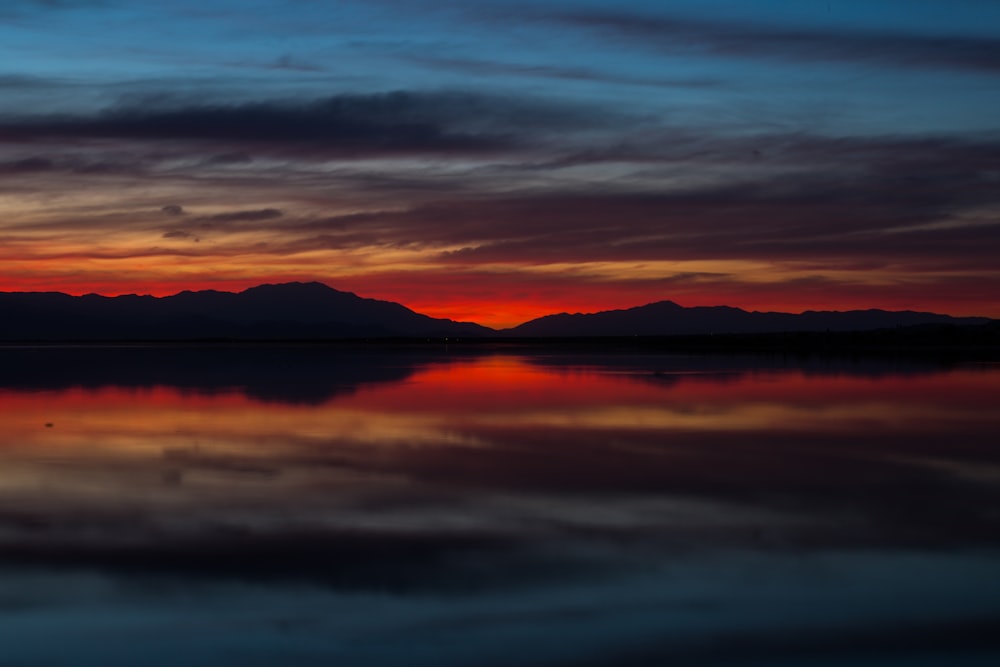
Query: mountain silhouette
x=666 y=318
x=302 y=311
x=267 y=312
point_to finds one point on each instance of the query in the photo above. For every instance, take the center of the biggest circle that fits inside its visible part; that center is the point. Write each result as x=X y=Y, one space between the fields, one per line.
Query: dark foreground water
x=401 y=507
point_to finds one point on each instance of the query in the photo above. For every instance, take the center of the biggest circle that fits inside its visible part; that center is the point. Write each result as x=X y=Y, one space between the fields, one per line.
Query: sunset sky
x=498 y=160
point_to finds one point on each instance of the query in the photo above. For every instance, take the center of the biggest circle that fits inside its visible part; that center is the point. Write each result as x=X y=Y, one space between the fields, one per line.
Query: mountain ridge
x=665 y=318
x=271 y=311
x=313 y=310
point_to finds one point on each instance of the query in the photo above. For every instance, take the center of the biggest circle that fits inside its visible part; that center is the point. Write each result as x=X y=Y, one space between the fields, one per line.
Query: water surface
x=414 y=506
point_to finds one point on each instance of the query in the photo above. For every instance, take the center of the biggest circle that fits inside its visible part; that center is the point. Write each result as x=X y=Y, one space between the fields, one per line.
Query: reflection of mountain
x=666 y=318
x=289 y=311
x=488 y=498
x=291 y=374
x=473 y=473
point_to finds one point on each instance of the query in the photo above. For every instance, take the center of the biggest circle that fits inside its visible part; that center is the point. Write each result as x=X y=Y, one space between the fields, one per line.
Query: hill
x=314 y=311
x=666 y=318
x=285 y=311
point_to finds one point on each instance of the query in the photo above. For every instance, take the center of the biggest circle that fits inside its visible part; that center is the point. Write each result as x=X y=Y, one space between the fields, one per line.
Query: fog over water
x=450 y=506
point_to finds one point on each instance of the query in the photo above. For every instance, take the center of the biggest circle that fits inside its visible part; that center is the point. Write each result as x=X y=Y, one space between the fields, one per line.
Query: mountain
x=286 y=311
x=315 y=311
x=666 y=318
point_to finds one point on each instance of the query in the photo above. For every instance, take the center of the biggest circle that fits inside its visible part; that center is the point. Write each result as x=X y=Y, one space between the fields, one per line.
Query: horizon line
x=493 y=328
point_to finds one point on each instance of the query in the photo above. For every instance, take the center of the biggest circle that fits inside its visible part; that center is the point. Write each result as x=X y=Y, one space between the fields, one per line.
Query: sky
x=500 y=160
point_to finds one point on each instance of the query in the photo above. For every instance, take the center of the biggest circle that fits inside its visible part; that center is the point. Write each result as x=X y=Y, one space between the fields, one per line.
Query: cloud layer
x=785 y=161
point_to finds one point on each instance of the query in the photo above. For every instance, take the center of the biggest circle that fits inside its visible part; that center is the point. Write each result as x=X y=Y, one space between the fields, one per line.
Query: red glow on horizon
x=488 y=385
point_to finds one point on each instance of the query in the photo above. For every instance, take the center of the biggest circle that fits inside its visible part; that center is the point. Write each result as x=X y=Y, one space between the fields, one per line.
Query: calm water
x=316 y=506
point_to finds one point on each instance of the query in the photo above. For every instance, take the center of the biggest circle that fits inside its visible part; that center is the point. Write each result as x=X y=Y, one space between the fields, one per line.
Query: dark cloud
x=884 y=199
x=173 y=209
x=177 y=234
x=19 y=81
x=288 y=62
x=854 y=203
x=246 y=216
x=18 y=8
x=686 y=36
x=486 y=67
x=390 y=122
x=63 y=4
x=77 y=164
x=346 y=560
x=229 y=158
x=27 y=165
x=904 y=642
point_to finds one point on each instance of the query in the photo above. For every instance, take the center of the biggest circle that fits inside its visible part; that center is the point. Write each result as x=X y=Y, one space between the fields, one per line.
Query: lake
x=489 y=505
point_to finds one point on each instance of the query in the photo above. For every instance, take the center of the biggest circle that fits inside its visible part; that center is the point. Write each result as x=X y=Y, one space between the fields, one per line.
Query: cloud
x=27 y=165
x=53 y=4
x=246 y=216
x=346 y=560
x=20 y=82
x=886 y=200
x=688 y=36
x=849 y=202
x=96 y=163
x=21 y=8
x=381 y=123
x=288 y=62
x=489 y=68
x=237 y=157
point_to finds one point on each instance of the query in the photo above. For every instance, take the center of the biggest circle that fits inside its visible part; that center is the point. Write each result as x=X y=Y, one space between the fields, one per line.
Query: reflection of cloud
x=492 y=447
x=744 y=418
x=978 y=471
x=722 y=610
x=346 y=560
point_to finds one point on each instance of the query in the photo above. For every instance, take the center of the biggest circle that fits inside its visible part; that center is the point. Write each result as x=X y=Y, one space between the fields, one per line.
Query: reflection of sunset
x=515 y=430
x=444 y=404
x=448 y=446
x=121 y=420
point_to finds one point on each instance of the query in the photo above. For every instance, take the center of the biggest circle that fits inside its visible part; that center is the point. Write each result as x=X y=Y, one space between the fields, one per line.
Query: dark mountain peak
x=666 y=318
x=316 y=297
x=717 y=309
x=296 y=310
x=656 y=306
x=188 y=292
x=312 y=288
